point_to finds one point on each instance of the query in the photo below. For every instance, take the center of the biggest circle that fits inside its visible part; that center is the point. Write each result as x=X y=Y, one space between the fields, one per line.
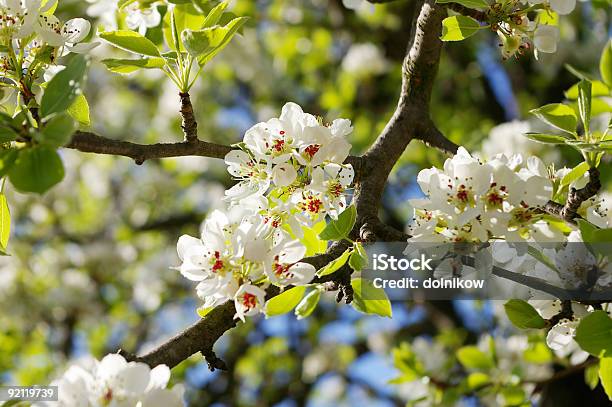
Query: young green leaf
x=594 y=334
x=5 y=222
x=127 y=66
x=369 y=299
x=7 y=160
x=36 y=169
x=65 y=87
x=340 y=228
x=584 y=104
x=575 y=174
x=7 y=133
x=546 y=138
x=79 y=111
x=478 y=4
x=605 y=64
x=591 y=376
x=523 y=315
x=204 y=44
x=605 y=375
x=359 y=258
x=559 y=116
x=308 y=304
x=473 y=358
x=457 y=28
x=185 y=16
x=335 y=265
x=215 y=14
x=285 y=301
x=58 y=131
x=131 y=41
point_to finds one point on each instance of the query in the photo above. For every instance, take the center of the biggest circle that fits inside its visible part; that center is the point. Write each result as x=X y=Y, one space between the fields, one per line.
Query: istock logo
x=384 y=262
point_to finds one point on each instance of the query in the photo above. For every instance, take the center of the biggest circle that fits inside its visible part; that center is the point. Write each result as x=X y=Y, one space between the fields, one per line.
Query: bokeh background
x=89 y=270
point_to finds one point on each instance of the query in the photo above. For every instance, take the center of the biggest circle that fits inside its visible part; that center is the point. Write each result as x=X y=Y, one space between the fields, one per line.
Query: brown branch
x=575 y=198
x=469 y=12
x=92 y=143
x=411 y=117
x=189 y=125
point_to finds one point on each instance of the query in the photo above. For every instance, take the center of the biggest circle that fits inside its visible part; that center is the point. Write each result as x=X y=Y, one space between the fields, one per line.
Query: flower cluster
x=33 y=38
x=115 y=382
x=471 y=201
x=298 y=157
x=291 y=175
x=517 y=31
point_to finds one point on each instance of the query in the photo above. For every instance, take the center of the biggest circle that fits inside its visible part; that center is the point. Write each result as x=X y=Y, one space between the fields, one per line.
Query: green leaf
x=127 y=66
x=476 y=380
x=65 y=87
x=539 y=256
x=203 y=311
x=598 y=88
x=215 y=14
x=478 y=4
x=7 y=133
x=131 y=41
x=311 y=240
x=559 y=116
x=334 y=265
x=591 y=376
x=5 y=222
x=513 y=396
x=546 y=138
x=79 y=111
x=58 y=131
x=575 y=174
x=605 y=375
x=308 y=304
x=473 y=358
x=359 y=258
x=369 y=299
x=605 y=64
x=538 y=353
x=340 y=228
x=584 y=104
x=185 y=16
x=594 y=334
x=523 y=315
x=457 y=28
x=285 y=301
x=204 y=44
x=36 y=169
x=7 y=160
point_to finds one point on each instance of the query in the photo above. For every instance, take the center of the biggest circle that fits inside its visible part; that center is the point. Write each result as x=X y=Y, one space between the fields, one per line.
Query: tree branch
x=189 y=125
x=92 y=143
x=575 y=198
x=411 y=117
x=469 y=12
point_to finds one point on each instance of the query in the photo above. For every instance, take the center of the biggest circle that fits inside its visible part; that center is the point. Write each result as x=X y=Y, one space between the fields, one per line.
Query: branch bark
x=189 y=125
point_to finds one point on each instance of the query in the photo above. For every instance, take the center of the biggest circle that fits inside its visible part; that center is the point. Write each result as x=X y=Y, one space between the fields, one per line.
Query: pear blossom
x=117 y=382
x=249 y=300
x=142 y=18
x=546 y=38
x=474 y=201
x=284 y=267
